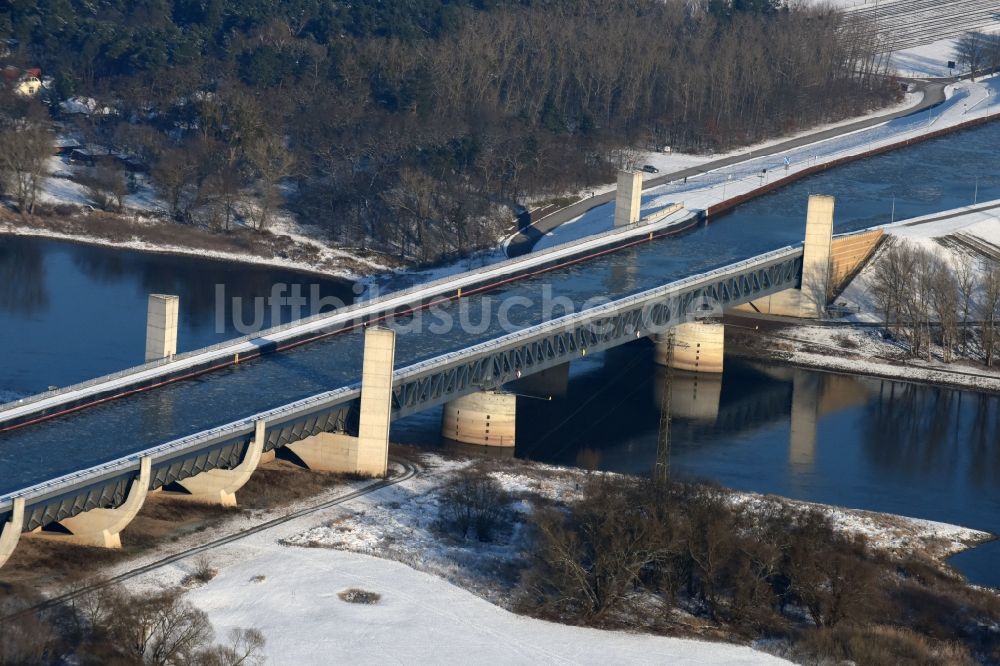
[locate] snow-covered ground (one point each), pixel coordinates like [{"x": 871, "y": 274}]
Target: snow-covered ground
[
  {"x": 291, "y": 592},
  {"x": 966, "y": 101},
  {"x": 435, "y": 592},
  {"x": 291, "y": 595},
  {"x": 931, "y": 60},
  {"x": 863, "y": 351}
]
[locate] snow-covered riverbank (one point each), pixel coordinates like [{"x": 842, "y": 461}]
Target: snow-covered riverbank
[{"x": 435, "y": 592}]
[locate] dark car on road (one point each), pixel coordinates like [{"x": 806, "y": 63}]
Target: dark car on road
[{"x": 649, "y": 168}]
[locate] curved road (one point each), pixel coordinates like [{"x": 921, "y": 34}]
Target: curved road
[{"x": 525, "y": 240}]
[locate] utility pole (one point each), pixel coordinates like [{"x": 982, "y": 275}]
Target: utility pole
[{"x": 661, "y": 472}]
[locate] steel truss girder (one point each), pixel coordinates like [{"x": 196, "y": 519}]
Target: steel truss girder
[{"x": 519, "y": 356}]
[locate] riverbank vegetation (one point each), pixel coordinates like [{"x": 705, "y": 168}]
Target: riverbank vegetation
[
  {"x": 689, "y": 559},
  {"x": 417, "y": 128},
  {"x": 940, "y": 308}
]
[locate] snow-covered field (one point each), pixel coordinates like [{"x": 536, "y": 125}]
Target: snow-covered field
[
  {"x": 291, "y": 595},
  {"x": 931, "y": 60},
  {"x": 436, "y": 593}
]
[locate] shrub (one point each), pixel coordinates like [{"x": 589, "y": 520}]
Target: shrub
[
  {"x": 474, "y": 504},
  {"x": 356, "y": 596},
  {"x": 878, "y": 645}
]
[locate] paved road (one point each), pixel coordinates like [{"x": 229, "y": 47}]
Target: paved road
[{"x": 525, "y": 240}]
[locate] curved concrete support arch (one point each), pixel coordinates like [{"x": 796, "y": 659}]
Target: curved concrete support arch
[
  {"x": 10, "y": 531},
  {"x": 102, "y": 527},
  {"x": 219, "y": 486}
]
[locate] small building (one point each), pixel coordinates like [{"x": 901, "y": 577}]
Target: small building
[
  {"x": 28, "y": 86},
  {"x": 26, "y": 83},
  {"x": 66, "y": 145}
]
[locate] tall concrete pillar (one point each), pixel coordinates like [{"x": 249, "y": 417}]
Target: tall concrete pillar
[
  {"x": 161, "y": 326},
  {"x": 816, "y": 256},
  {"x": 376, "y": 401},
  {"x": 219, "y": 486},
  {"x": 487, "y": 418},
  {"x": 10, "y": 530},
  {"x": 628, "y": 199},
  {"x": 368, "y": 453},
  {"x": 695, "y": 346},
  {"x": 102, "y": 527}
]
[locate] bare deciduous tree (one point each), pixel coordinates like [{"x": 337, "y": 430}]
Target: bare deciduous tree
[
  {"x": 271, "y": 162},
  {"x": 989, "y": 313},
  {"x": 106, "y": 185},
  {"x": 26, "y": 149}
]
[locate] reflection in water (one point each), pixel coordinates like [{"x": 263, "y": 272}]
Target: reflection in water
[
  {"x": 914, "y": 450},
  {"x": 22, "y": 284},
  {"x": 695, "y": 396},
  {"x": 930, "y": 430}
]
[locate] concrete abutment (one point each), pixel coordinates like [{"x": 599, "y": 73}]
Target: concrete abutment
[
  {"x": 10, "y": 530},
  {"x": 628, "y": 198},
  {"x": 368, "y": 452},
  {"x": 161, "y": 326}
]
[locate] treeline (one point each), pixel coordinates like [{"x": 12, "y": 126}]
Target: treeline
[
  {"x": 414, "y": 127},
  {"x": 687, "y": 559},
  {"x": 925, "y": 301}
]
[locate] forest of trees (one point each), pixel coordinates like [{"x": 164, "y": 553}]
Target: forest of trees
[{"x": 414, "y": 127}]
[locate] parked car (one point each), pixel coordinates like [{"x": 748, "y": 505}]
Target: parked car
[{"x": 649, "y": 168}]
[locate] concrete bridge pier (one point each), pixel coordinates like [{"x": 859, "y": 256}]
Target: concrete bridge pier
[
  {"x": 368, "y": 453},
  {"x": 161, "y": 326},
  {"x": 102, "y": 527},
  {"x": 487, "y": 418},
  {"x": 10, "y": 530},
  {"x": 697, "y": 346},
  {"x": 219, "y": 486}
]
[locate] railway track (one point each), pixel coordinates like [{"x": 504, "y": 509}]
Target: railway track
[{"x": 408, "y": 470}]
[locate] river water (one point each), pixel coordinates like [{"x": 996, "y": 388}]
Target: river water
[
  {"x": 910, "y": 449},
  {"x": 70, "y": 312}
]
